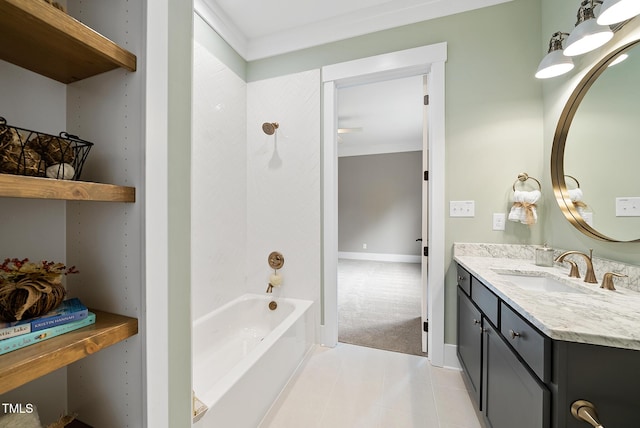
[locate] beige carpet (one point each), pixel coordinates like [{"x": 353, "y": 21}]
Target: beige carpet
[{"x": 379, "y": 305}]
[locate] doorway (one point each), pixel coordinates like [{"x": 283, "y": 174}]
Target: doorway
[
  {"x": 427, "y": 60},
  {"x": 380, "y": 170}
]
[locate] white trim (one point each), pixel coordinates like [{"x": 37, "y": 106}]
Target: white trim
[
  {"x": 329, "y": 312},
  {"x": 451, "y": 360},
  {"x": 359, "y": 22},
  {"x": 410, "y": 62},
  {"x": 218, "y": 20},
  {"x": 380, "y": 257},
  {"x": 385, "y": 66},
  {"x": 156, "y": 359},
  {"x": 345, "y": 150}
]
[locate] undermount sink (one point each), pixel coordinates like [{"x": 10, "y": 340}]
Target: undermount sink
[{"x": 539, "y": 283}]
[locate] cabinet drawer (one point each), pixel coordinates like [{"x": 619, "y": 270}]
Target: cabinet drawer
[
  {"x": 533, "y": 346},
  {"x": 485, "y": 299},
  {"x": 464, "y": 280}
]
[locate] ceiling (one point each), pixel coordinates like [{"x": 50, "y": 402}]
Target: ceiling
[
  {"x": 382, "y": 117},
  {"x": 262, "y": 28}
]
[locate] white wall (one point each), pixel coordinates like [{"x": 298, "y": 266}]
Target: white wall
[
  {"x": 34, "y": 228},
  {"x": 252, "y": 193},
  {"x": 283, "y": 183},
  {"x": 219, "y": 189}
]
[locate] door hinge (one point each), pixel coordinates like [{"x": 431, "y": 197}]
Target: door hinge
[
  {"x": 426, "y": 100},
  {"x": 425, "y": 326},
  {"x": 425, "y": 251},
  {"x": 426, "y": 176}
]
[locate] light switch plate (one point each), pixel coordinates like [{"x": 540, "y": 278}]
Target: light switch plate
[
  {"x": 628, "y": 207},
  {"x": 462, "y": 208},
  {"x": 499, "y": 220}
]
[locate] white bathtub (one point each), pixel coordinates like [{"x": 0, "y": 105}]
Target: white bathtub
[{"x": 244, "y": 354}]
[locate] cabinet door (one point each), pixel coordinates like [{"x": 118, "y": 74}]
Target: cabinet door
[
  {"x": 470, "y": 342},
  {"x": 513, "y": 397}
]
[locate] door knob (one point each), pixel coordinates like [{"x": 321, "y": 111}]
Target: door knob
[{"x": 585, "y": 411}]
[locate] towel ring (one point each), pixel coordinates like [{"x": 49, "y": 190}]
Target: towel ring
[
  {"x": 523, "y": 176},
  {"x": 574, "y": 179}
]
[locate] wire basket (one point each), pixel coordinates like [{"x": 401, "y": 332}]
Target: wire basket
[{"x": 26, "y": 152}]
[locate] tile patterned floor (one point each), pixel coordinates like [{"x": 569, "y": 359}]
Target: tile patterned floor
[{"x": 356, "y": 387}]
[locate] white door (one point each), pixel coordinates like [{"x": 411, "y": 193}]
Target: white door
[
  {"x": 425, "y": 213},
  {"x": 417, "y": 61}
]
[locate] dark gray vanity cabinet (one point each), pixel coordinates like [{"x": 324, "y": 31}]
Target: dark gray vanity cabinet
[
  {"x": 503, "y": 385},
  {"x": 520, "y": 378},
  {"x": 608, "y": 377},
  {"x": 470, "y": 343},
  {"x": 513, "y": 396}
]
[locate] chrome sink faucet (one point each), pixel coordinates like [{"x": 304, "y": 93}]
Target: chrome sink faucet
[{"x": 590, "y": 275}]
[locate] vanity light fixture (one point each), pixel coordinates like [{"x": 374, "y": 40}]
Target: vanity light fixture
[
  {"x": 555, "y": 62},
  {"x": 614, "y": 11},
  {"x": 587, "y": 34}
]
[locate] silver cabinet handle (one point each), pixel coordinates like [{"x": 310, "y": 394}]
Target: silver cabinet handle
[
  {"x": 584, "y": 410},
  {"x": 514, "y": 334}
]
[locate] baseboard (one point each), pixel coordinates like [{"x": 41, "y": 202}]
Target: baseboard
[
  {"x": 380, "y": 257},
  {"x": 451, "y": 357}
]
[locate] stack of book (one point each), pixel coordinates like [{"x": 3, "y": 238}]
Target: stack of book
[{"x": 70, "y": 315}]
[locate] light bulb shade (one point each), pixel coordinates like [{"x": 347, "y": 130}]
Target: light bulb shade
[
  {"x": 554, "y": 64},
  {"x": 618, "y": 60},
  {"x": 587, "y": 36},
  {"x": 614, "y": 11}
]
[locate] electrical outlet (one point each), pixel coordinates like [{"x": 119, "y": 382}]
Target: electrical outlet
[
  {"x": 364, "y": 246},
  {"x": 499, "y": 221},
  {"x": 628, "y": 207},
  {"x": 462, "y": 208}
]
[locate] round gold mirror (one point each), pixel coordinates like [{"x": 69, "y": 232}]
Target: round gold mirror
[{"x": 596, "y": 150}]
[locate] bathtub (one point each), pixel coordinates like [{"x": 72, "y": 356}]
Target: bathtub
[{"x": 244, "y": 354}]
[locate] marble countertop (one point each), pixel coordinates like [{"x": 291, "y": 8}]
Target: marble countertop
[{"x": 592, "y": 315}]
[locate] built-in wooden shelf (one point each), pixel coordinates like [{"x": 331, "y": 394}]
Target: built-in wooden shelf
[
  {"x": 18, "y": 186},
  {"x": 47, "y": 41},
  {"x": 26, "y": 364}
]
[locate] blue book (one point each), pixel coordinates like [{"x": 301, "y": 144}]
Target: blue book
[
  {"x": 70, "y": 310},
  {"x": 32, "y": 338}
]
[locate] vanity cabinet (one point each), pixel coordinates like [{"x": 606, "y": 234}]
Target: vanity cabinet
[
  {"x": 528, "y": 380},
  {"x": 513, "y": 397},
  {"x": 505, "y": 388},
  {"x": 470, "y": 343}
]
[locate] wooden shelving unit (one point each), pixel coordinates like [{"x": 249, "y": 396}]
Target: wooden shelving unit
[
  {"x": 29, "y": 363},
  {"x": 38, "y": 37},
  {"x": 45, "y": 40},
  {"x": 17, "y": 186}
]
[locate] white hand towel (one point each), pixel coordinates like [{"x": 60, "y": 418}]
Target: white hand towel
[
  {"x": 524, "y": 206},
  {"x": 576, "y": 197}
]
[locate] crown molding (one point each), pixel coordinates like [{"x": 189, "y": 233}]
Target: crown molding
[{"x": 364, "y": 21}]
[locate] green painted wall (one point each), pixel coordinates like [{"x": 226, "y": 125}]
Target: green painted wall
[{"x": 559, "y": 233}]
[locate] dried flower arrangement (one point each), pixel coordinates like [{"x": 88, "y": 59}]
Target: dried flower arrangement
[
  {"x": 56, "y": 5},
  {"x": 29, "y": 289}
]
